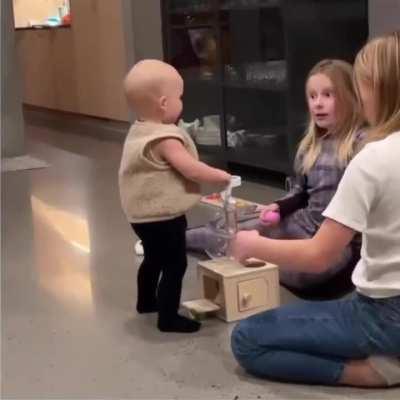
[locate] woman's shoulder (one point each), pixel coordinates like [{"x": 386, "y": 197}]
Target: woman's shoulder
[
  {"x": 389, "y": 144},
  {"x": 370, "y": 157}
]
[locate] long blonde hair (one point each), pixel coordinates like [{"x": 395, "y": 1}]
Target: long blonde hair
[
  {"x": 348, "y": 115},
  {"x": 377, "y": 65}
]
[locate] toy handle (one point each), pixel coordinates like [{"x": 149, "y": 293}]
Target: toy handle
[{"x": 236, "y": 181}]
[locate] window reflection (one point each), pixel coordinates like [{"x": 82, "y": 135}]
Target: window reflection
[{"x": 41, "y": 13}]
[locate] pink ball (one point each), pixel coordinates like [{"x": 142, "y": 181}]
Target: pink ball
[{"x": 270, "y": 217}]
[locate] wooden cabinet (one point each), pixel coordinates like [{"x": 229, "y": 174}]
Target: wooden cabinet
[{"x": 245, "y": 62}]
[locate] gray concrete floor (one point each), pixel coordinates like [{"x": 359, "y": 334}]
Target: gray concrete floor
[{"x": 68, "y": 288}]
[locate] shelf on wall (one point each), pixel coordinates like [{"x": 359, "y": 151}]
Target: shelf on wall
[
  {"x": 248, "y": 8},
  {"x": 193, "y": 26},
  {"x": 250, "y": 5},
  {"x": 212, "y": 149},
  {"x": 254, "y": 85},
  {"x": 257, "y": 158},
  {"x": 197, "y": 75},
  {"x": 192, "y": 11}
]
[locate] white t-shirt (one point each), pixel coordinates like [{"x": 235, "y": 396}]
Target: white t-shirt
[{"x": 368, "y": 201}]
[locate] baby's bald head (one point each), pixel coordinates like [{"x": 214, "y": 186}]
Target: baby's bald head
[{"x": 146, "y": 83}]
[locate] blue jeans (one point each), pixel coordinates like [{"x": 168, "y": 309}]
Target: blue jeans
[{"x": 310, "y": 342}]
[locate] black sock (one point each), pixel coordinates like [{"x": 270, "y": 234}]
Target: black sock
[{"x": 178, "y": 323}]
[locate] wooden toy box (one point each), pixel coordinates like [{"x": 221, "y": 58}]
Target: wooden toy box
[{"x": 233, "y": 291}]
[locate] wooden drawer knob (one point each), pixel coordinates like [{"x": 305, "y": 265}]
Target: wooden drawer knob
[{"x": 246, "y": 298}]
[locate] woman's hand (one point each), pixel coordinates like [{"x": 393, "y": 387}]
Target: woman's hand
[{"x": 240, "y": 248}]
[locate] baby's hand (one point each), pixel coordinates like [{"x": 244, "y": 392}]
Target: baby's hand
[
  {"x": 225, "y": 178},
  {"x": 224, "y": 181},
  {"x": 241, "y": 245}
]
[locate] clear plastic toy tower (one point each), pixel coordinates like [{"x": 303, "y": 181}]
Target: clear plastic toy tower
[{"x": 225, "y": 226}]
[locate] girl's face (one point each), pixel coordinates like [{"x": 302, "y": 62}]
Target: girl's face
[
  {"x": 367, "y": 101},
  {"x": 321, "y": 101}
]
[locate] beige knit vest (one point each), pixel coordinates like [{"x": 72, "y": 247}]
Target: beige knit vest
[{"x": 150, "y": 189}]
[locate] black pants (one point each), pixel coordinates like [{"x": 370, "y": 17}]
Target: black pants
[{"x": 164, "y": 247}]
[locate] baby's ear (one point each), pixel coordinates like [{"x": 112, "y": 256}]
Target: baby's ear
[{"x": 162, "y": 102}]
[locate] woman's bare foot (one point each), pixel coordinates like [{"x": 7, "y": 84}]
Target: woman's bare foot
[{"x": 360, "y": 373}]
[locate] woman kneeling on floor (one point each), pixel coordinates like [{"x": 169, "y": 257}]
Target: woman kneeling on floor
[{"x": 352, "y": 341}]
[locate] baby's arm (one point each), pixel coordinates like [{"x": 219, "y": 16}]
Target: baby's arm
[{"x": 173, "y": 151}]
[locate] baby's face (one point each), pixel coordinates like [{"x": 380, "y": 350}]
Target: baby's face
[{"x": 173, "y": 106}]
